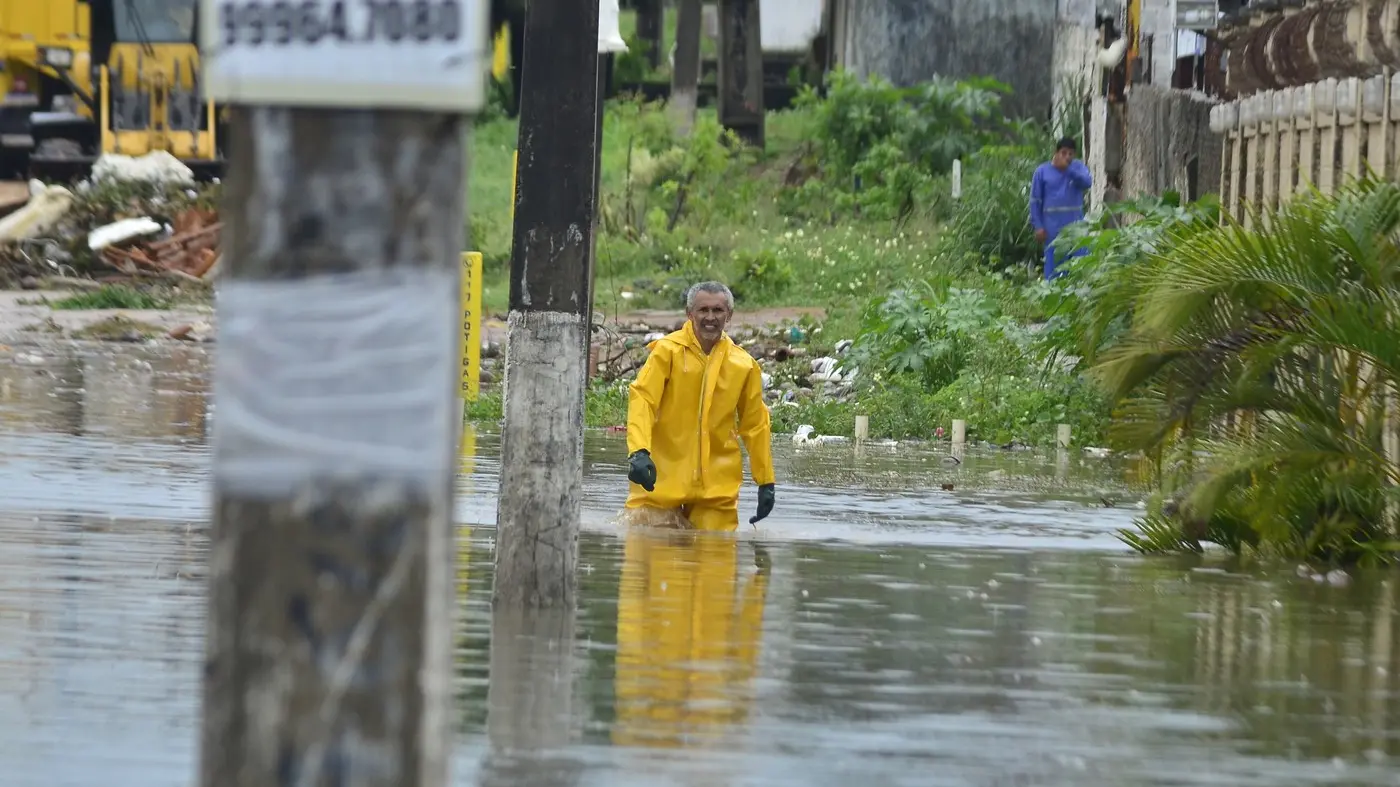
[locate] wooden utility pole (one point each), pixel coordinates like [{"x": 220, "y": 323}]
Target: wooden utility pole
[
  {"x": 741, "y": 70},
  {"x": 550, "y": 281},
  {"x": 685, "y": 72},
  {"x": 328, "y": 645}
]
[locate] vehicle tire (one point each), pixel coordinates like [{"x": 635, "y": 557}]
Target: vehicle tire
[{"x": 14, "y": 163}]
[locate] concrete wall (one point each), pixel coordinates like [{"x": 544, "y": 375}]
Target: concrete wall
[
  {"x": 1074, "y": 68},
  {"x": 909, "y": 41},
  {"x": 1168, "y": 137}
]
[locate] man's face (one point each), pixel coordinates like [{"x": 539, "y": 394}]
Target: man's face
[
  {"x": 709, "y": 315},
  {"x": 1063, "y": 157}
]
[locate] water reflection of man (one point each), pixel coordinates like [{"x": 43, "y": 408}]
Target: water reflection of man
[
  {"x": 698, "y": 394},
  {"x": 687, "y": 639}
]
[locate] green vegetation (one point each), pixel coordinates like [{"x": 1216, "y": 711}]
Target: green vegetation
[
  {"x": 1255, "y": 367},
  {"x": 115, "y": 296},
  {"x": 849, "y": 209}
]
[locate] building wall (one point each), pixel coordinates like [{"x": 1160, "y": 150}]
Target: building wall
[
  {"x": 1170, "y": 141},
  {"x": 1074, "y": 68},
  {"x": 909, "y": 41}
]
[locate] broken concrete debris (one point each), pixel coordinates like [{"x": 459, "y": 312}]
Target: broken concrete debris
[
  {"x": 190, "y": 250},
  {"x": 134, "y": 218}
]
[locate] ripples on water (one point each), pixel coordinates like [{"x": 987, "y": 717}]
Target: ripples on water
[{"x": 878, "y": 630}]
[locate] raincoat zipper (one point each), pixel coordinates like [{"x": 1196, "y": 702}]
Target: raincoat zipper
[{"x": 700, "y": 418}]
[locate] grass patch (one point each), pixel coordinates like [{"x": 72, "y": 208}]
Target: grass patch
[
  {"x": 604, "y": 405},
  {"x": 115, "y": 296},
  {"x": 733, "y": 224}
]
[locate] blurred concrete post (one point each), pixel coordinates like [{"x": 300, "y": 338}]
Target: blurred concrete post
[
  {"x": 741, "y": 70},
  {"x": 330, "y": 610},
  {"x": 685, "y": 71},
  {"x": 329, "y": 636},
  {"x": 541, "y": 482}
]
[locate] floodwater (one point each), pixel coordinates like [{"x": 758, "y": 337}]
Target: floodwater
[{"x": 877, "y": 630}]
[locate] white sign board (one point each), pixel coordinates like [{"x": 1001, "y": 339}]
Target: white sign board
[{"x": 376, "y": 54}]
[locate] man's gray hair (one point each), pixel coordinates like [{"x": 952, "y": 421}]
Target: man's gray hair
[{"x": 712, "y": 287}]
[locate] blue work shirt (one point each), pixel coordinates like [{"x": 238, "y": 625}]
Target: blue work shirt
[{"x": 1057, "y": 200}]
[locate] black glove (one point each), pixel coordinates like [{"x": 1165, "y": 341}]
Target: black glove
[
  {"x": 766, "y": 498},
  {"x": 641, "y": 470}
]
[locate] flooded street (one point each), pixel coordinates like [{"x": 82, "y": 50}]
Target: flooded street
[{"x": 878, "y": 629}]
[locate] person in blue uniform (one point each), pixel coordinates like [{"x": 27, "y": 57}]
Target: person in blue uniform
[{"x": 1057, "y": 200}]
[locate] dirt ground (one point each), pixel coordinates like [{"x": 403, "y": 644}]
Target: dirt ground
[
  {"x": 13, "y": 195},
  {"x": 495, "y": 328},
  {"x": 24, "y": 320}
]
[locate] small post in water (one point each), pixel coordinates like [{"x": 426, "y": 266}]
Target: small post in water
[
  {"x": 1062, "y": 435},
  {"x": 541, "y": 480},
  {"x": 862, "y": 427},
  {"x": 959, "y": 432}
]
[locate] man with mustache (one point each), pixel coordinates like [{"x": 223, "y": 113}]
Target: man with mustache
[{"x": 697, "y": 395}]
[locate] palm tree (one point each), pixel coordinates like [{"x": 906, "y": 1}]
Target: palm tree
[{"x": 1259, "y": 368}]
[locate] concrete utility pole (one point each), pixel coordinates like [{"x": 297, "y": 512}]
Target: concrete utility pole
[
  {"x": 550, "y": 281},
  {"x": 685, "y": 72},
  {"x": 650, "y": 21},
  {"x": 329, "y": 651},
  {"x": 741, "y": 70}
]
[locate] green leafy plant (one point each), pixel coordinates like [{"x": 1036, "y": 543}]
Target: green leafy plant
[
  {"x": 990, "y": 225},
  {"x": 883, "y": 149},
  {"x": 1255, "y": 368}
]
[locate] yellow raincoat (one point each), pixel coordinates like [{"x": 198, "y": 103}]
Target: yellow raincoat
[
  {"x": 688, "y": 634},
  {"x": 690, "y": 411}
]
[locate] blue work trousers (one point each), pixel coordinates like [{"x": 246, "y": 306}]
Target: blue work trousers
[{"x": 1054, "y": 260}]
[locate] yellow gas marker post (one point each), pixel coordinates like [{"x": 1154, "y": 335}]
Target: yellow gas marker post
[
  {"x": 471, "y": 326},
  {"x": 470, "y": 336}
]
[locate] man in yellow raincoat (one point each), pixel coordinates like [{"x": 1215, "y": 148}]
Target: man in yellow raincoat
[{"x": 697, "y": 395}]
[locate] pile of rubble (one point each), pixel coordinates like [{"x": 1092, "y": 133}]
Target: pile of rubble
[
  {"x": 98, "y": 230},
  {"x": 791, "y": 373},
  {"x": 188, "y": 247}
]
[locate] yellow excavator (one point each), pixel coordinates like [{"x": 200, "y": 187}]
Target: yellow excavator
[
  {"x": 104, "y": 76},
  {"x": 36, "y": 39}
]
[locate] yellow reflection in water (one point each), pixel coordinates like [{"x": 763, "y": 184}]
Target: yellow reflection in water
[{"x": 688, "y": 630}]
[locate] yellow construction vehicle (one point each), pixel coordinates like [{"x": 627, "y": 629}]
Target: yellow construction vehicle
[
  {"x": 132, "y": 81},
  {"x": 43, "y": 44}
]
